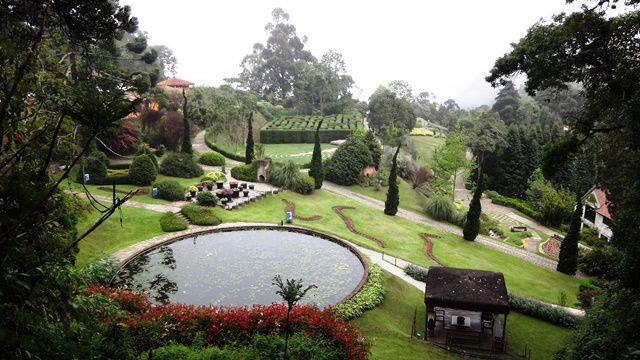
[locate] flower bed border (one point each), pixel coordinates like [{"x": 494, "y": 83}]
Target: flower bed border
[
  {"x": 126, "y": 255},
  {"x": 428, "y": 247},
  {"x": 291, "y": 207},
  {"x": 349, "y": 223}
]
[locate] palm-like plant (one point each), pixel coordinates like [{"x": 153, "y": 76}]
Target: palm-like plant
[{"x": 291, "y": 291}]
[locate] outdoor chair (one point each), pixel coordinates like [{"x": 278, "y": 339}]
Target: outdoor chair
[{"x": 487, "y": 322}]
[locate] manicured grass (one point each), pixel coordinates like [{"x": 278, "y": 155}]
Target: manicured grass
[
  {"x": 426, "y": 145},
  {"x": 170, "y": 222},
  {"x": 143, "y": 198},
  {"x": 388, "y": 328},
  {"x": 409, "y": 198},
  {"x": 288, "y": 152},
  {"x": 200, "y": 215},
  {"x": 137, "y": 225}
]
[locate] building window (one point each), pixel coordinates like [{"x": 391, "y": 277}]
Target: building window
[{"x": 590, "y": 213}]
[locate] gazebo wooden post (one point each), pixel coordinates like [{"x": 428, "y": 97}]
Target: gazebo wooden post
[
  {"x": 504, "y": 333},
  {"x": 426, "y": 319}
]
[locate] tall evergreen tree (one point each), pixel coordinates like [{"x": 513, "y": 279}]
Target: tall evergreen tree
[
  {"x": 374, "y": 148},
  {"x": 248, "y": 154},
  {"x": 568, "y": 259},
  {"x": 507, "y": 103},
  {"x": 472, "y": 224},
  {"x": 316, "y": 160},
  {"x": 186, "y": 134},
  {"x": 393, "y": 196}
]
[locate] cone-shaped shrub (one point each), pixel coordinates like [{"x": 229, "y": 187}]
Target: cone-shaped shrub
[
  {"x": 568, "y": 258},
  {"x": 393, "y": 196},
  {"x": 316, "y": 160},
  {"x": 472, "y": 224}
]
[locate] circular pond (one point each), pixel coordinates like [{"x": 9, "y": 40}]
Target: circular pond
[{"x": 237, "y": 268}]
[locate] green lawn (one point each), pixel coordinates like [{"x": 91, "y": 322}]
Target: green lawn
[
  {"x": 288, "y": 152},
  {"x": 409, "y": 198},
  {"x": 111, "y": 236},
  {"x": 143, "y": 198},
  {"x": 402, "y": 240},
  {"x": 388, "y": 328},
  {"x": 426, "y": 146}
]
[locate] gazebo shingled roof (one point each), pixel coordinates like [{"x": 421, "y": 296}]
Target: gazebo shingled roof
[
  {"x": 175, "y": 82},
  {"x": 474, "y": 290}
]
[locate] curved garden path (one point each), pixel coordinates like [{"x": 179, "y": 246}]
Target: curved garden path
[{"x": 409, "y": 215}]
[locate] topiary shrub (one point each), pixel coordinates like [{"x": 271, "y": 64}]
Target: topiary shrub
[
  {"x": 214, "y": 176},
  {"x": 142, "y": 170},
  {"x": 200, "y": 215},
  {"x": 247, "y": 172},
  {"x": 348, "y": 160},
  {"x": 206, "y": 199},
  {"x": 212, "y": 158},
  {"x": 170, "y": 222},
  {"x": 169, "y": 190},
  {"x": 95, "y": 165},
  {"x": 180, "y": 165}
]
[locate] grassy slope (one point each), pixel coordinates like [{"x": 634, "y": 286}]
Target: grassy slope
[
  {"x": 401, "y": 238},
  {"x": 388, "y": 328},
  {"x": 409, "y": 198},
  {"x": 137, "y": 225},
  {"x": 426, "y": 145}
]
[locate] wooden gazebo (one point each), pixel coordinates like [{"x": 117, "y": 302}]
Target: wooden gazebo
[{"x": 466, "y": 306}]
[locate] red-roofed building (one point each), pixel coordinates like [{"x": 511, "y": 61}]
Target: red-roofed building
[
  {"x": 176, "y": 85},
  {"x": 596, "y": 212}
]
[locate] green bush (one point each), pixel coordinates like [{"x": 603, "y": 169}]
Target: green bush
[
  {"x": 170, "y": 190},
  {"x": 247, "y": 172},
  {"x": 288, "y": 176},
  {"x": 180, "y": 165},
  {"x": 304, "y": 185},
  {"x": 543, "y": 311},
  {"x": 206, "y": 199},
  {"x": 118, "y": 177},
  {"x": 142, "y": 171},
  {"x": 94, "y": 165},
  {"x": 171, "y": 222},
  {"x": 214, "y": 176},
  {"x": 346, "y": 163},
  {"x": 417, "y": 272},
  {"x": 601, "y": 261},
  {"x": 212, "y": 158},
  {"x": 200, "y": 215},
  {"x": 517, "y": 204},
  {"x": 591, "y": 237},
  {"x": 212, "y": 146},
  {"x": 442, "y": 208},
  {"x": 370, "y": 296}
]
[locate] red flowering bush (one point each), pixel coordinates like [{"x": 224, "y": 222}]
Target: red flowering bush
[
  {"x": 125, "y": 141},
  {"x": 152, "y": 326}
]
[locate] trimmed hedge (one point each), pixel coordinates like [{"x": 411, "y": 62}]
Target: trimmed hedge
[
  {"x": 180, "y": 165},
  {"x": 170, "y": 222},
  {"x": 214, "y": 176},
  {"x": 170, "y": 190},
  {"x": 200, "y": 215},
  {"x": 247, "y": 172},
  {"x": 227, "y": 154},
  {"x": 301, "y": 129},
  {"x": 370, "y": 296},
  {"x": 143, "y": 170},
  {"x": 212, "y": 158},
  {"x": 517, "y": 204},
  {"x": 417, "y": 272},
  {"x": 206, "y": 199},
  {"x": 543, "y": 311}
]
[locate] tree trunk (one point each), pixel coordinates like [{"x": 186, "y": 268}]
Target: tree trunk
[{"x": 286, "y": 335}]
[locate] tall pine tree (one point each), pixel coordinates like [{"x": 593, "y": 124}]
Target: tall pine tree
[
  {"x": 472, "y": 224},
  {"x": 507, "y": 103},
  {"x": 568, "y": 259},
  {"x": 186, "y": 134},
  {"x": 248, "y": 153},
  {"x": 393, "y": 196},
  {"x": 316, "y": 160}
]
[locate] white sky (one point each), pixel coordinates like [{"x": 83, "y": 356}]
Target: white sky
[{"x": 444, "y": 47}]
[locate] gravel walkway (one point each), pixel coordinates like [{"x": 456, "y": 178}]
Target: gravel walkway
[{"x": 377, "y": 204}]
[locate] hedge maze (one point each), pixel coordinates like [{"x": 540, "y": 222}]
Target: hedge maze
[{"x": 301, "y": 129}]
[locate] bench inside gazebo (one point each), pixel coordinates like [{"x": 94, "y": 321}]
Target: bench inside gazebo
[{"x": 466, "y": 305}]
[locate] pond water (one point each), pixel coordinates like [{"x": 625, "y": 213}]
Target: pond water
[{"x": 237, "y": 268}]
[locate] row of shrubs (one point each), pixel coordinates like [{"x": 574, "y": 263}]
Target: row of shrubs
[
  {"x": 370, "y": 296},
  {"x": 517, "y": 204},
  {"x": 417, "y": 272},
  {"x": 247, "y": 172},
  {"x": 301, "y": 136},
  {"x": 225, "y": 153},
  {"x": 200, "y": 215},
  {"x": 170, "y": 222},
  {"x": 212, "y": 158}
]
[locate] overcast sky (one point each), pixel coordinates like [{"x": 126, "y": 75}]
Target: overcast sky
[{"x": 444, "y": 47}]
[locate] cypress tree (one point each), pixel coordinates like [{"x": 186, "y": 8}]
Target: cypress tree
[
  {"x": 316, "y": 160},
  {"x": 568, "y": 259},
  {"x": 186, "y": 134},
  {"x": 248, "y": 154},
  {"x": 393, "y": 196},
  {"x": 472, "y": 224}
]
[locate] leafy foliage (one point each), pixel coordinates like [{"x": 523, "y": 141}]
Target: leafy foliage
[
  {"x": 142, "y": 171},
  {"x": 288, "y": 176},
  {"x": 393, "y": 194},
  {"x": 385, "y": 108},
  {"x": 212, "y": 158},
  {"x": 249, "y": 155},
  {"x": 200, "y": 215},
  {"x": 205, "y": 198},
  {"x": 170, "y": 190},
  {"x": 543, "y": 311},
  {"x": 170, "y": 222},
  {"x": 370, "y": 296},
  {"x": 214, "y": 176},
  {"x": 348, "y": 160},
  {"x": 568, "y": 260},
  {"x": 126, "y": 140},
  {"x": 472, "y": 222},
  {"x": 247, "y": 172},
  {"x": 180, "y": 165},
  {"x": 442, "y": 208}
]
